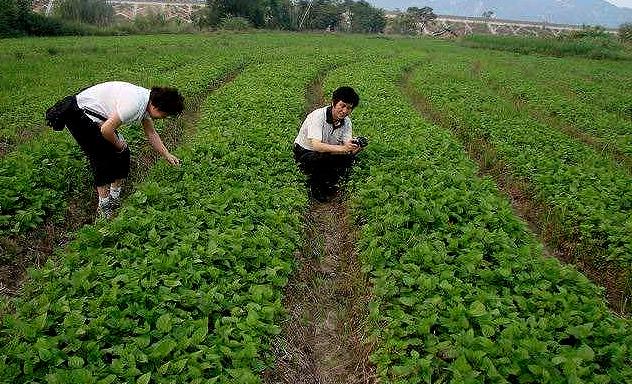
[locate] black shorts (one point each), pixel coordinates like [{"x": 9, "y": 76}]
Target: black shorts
[{"x": 107, "y": 163}]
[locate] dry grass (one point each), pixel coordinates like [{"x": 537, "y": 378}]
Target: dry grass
[{"x": 323, "y": 338}]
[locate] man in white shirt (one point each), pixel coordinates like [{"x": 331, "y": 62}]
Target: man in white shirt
[
  {"x": 101, "y": 110},
  {"x": 324, "y": 147}
]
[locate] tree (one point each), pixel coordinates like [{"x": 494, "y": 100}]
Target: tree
[
  {"x": 421, "y": 17},
  {"x": 412, "y": 22},
  {"x": 13, "y": 17},
  {"x": 17, "y": 19},
  {"x": 360, "y": 16},
  {"x": 253, "y": 10},
  {"x": 279, "y": 14},
  {"x": 86, "y": 11},
  {"x": 625, "y": 32},
  {"x": 365, "y": 18},
  {"x": 208, "y": 16},
  {"x": 323, "y": 14},
  {"x": 260, "y": 13}
]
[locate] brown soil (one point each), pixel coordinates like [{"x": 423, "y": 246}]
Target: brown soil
[
  {"x": 33, "y": 248},
  {"x": 557, "y": 243},
  {"x": 323, "y": 338}
]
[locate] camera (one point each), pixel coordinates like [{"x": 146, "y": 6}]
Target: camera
[{"x": 360, "y": 141}]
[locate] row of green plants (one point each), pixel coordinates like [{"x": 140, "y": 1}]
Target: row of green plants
[
  {"x": 586, "y": 195},
  {"x": 583, "y": 94},
  {"x": 593, "y": 44},
  {"x": 185, "y": 284},
  {"x": 461, "y": 289},
  {"x": 39, "y": 175}
]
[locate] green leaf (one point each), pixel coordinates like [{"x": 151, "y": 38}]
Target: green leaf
[
  {"x": 172, "y": 283},
  {"x": 408, "y": 300},
  {"x": 75, "y": 362},
  {"x": 164, "y": 368},
  {"x": 179, "y": 365},
  {"x": 109, "y": 379},
  {"x": 199, "y": 335},
  {"x": 586, "y": 353},
  {"x": 477, "y": 309},
  {"x": 144, "y": 379},
  {"x": 162, "y": 348},
  {"x": 164, "y": 323}
]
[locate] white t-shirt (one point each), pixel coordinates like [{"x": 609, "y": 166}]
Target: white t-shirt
[
  {"x": 127, "y": 100},
  {"x": 316, "y": 126}
]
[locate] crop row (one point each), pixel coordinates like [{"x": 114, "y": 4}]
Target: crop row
[
  {"x": 592, "y": 97},
  {"x": 185, "y": 284},
  {"x": 461, "y": 291},
  {"x": 39, "y": 176},
  {"x": 38, "y": 72},
  {"x": 588, "y": 195}
]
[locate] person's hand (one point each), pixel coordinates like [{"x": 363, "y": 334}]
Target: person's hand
[
  {"x": 172, "y": 159},
  {"x": 351, "y": 147},
  {"x": 120, "y": 143}
]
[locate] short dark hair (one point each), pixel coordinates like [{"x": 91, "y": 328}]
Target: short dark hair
[
  {"x": 347, "y": 95},
  {"x": 167, "y": 100}
]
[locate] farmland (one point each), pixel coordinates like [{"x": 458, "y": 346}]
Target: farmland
[{"x": 187, "y": 283}]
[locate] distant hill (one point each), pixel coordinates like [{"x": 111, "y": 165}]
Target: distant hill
[{"x": 579, "y": 12}]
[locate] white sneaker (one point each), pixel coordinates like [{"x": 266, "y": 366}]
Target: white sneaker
[
  {"x": 105, "y": 211},
  {"x": 115, "y": 202}
]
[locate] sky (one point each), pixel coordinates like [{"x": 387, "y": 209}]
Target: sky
[
  {"x": 621, "y": 3},
  {"x": 618, "y": 3}
]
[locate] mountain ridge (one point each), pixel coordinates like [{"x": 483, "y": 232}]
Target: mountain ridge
[{"x": 574, "y": 12}]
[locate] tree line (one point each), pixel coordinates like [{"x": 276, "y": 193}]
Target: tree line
[
  {"x": 345, "y": 15},
  {"x": 17, "y": 18},
  {"x": 76, "y": 17},
  {"x": 68, "y": 17}
]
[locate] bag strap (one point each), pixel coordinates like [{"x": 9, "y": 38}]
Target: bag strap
[{"x": 94, "y": 114}]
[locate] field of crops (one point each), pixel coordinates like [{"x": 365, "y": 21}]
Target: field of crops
[{"x": 186, "y": 284}]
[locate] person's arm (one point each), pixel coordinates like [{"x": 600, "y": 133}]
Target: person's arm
[
  {"x": 347, "y": 147},
  {"x": 314, "y": 125},
  {"x": 108, "y": 130},
  {"x": 156, "y": 142}
]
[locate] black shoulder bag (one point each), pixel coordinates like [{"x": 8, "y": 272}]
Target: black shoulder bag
[{"x": 58, "y": 114}]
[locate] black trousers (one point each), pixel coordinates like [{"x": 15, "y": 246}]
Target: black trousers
[
  {"x": 106, "y": 162},
  {"x": 323, "y": 169}
]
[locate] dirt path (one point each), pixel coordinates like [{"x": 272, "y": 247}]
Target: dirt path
[
  {"x": 521, "y": 196},
  {"x": 323, "y": 338},
  {"x": 33, "y": 248}
]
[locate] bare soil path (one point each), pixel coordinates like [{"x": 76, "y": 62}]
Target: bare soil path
[{"x": 323, "y": 337}]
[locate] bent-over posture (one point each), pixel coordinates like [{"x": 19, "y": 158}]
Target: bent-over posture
[{"x": 99, "y": 112}]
